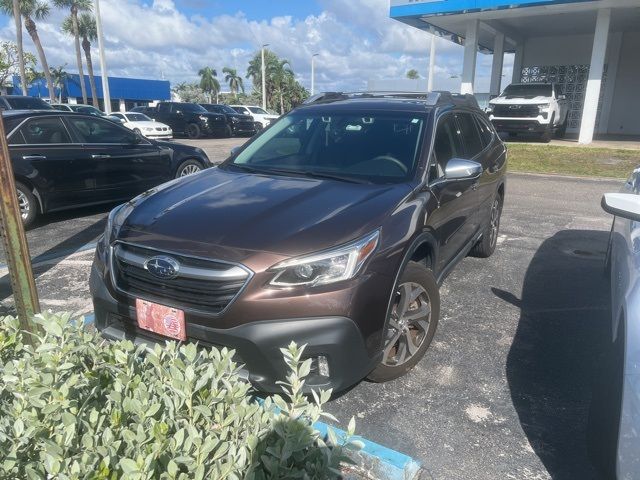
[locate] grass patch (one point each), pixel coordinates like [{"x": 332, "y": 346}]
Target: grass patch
[{"x": 581, "y": 161}]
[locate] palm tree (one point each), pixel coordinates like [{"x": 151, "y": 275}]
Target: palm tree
[
  {"x": 59, "y": 76},
  {"x": 75, "y": 6},
  {"x": 279, "y": 73},
  {"x": 234, "y": 80},
  {"x": 18, "y": 20},
  {"x": 88, "y": 31},
  {"x": 208, "y": 81},
  {"x": 413, "y": 74},
  {"x": 30, "y": 10}
]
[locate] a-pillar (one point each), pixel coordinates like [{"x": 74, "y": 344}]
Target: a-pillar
[
  {"x": 470, "y": 53},
  {"x": 496, "y": 67},
  {"x": 592, "y": 94}
]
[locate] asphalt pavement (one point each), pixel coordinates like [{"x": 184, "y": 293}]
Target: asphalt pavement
[{"x": 504, "y": 391}]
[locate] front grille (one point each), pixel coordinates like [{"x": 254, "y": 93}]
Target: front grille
[
  {"x": 162, "y": 129},
  {"x": 203, "y": 285},
  {"x": 246, "y": 125},
  {"x": 523, "y": 111}
]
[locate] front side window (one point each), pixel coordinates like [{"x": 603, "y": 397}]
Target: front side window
[
  {"x": 188, "y": 107},
  {"x": 486, "y": 131},
  {"x": 42, "y": 131},
  {"x": 28, "y": 103},
  {"x": 258, "y": 111},
  {"x": 164, "y": 108},
  {"x": 469, "y": 135},
  {"x": 446, "y": 146},
  {"x": 354, "y": 146},
  {"x": 96, "y": 130}
]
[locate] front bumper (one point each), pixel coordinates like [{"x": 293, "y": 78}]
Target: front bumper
[
  {"x": 244, "y": 128},
  {"x": 257, "y": 344}
]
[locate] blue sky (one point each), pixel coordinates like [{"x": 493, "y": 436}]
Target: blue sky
[{"x": 173, "y": 39}]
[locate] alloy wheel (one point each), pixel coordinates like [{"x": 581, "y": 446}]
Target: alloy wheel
[
  {"x": 495, "y": 222},
  {"x": 408, "y": 325},
  {"x": 25, "y": 206},
  {"x": 189, "y": 170}
]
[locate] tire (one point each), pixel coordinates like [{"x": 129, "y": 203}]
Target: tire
[
  {"x": 193, "y": 131},
  {"x": 137, "y": 131},
  {"x": 188, "y": 167},
  {"x": 485, "y": 247},
  {"x": 562, "y": 129},
  {"x": 228, "y": 131},
  {"x": 548, "y": 132},
  {"x": 415, "y": 278},
  {"x": 28, "y": 205}
]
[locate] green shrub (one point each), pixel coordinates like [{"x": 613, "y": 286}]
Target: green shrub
[{"x": 73, "y": 406}]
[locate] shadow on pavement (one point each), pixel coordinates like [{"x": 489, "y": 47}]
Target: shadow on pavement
[{"x": 563, "y": 329}]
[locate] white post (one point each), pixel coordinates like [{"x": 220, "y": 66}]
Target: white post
[
  {"x": 103, "y": 61},
  {"x": 516, "y": 76},
  {"x": 122, "y": 105},
  {"x": 432, "y": 63},
  {"x": 592, "y": 94},
  {"x": 470, "y": 52},
  {"x": 264, "y": 81},
  {"x": 313, "y": 73},
  {"x": 496, "y": 67}
]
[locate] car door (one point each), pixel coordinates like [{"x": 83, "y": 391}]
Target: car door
[
  {"x": 177, "y": 116},
  {"x": 493, "y": 158},
  {"x": 456, "y": 204},
  {"x": 121, "y": 163},
  {"x": 44, "y": 152}
]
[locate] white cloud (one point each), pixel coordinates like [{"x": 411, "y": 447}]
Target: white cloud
[{"x": 356, "y": 40}]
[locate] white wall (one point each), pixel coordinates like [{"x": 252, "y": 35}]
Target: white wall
[
  {"x": 568, "y": 50},
  {"x": 624, "y": 118}
]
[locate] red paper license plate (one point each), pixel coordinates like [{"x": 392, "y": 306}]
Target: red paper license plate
[{"x": 160, "y": 319}]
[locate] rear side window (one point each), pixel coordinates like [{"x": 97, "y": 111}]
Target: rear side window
[
  {"x": 446, "y": 146},
  {"x": 96, "y": 130},
  {"x": 42, "y": 131},
  {"x": 469, "y": 135},
  {"x": 164, "y": 108},
  {"x": 485, "y": 130}
]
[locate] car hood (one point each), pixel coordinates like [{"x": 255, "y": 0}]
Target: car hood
[
  {"x": 254, "y": 212},
  {"x": 241, "y": 116},
  {"x": 520, "y": 100},
  {"x": 147, "y": 124}
]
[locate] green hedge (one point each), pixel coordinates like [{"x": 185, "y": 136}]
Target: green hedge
[{"x": 73, "y": 406}]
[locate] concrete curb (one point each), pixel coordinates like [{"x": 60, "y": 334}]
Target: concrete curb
[
  {"x": 374, "y": 461},
  {"x": 567, "y": 177}
]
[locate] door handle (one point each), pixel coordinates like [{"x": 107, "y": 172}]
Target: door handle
[
  {"x": 99, "y": 156},
  {"x": 34, "y": 157}
]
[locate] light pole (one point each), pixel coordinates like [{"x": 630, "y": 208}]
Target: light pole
[
  {"x": 103, "y": 61},
  {"x": 264, "y": 80},
  {"x": 313, "y": 73},
  {"x": 432, "y": 63}
]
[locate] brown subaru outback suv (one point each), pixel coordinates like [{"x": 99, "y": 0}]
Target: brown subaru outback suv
[{"x": 333, "y": 228}]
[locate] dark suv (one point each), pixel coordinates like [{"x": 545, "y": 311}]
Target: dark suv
[
  {"x": 237, "y": 123},
  {"x": 333, "y": 228},
  {"x": 185, "y": 118}
]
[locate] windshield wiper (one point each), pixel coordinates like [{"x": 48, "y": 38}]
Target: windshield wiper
[
  {"x": 298, "y": 173},
  {"x": 332, "y": 176}
]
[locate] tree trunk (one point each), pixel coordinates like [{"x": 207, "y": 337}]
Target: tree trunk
[
  {"x": 74, "y": 21},
  {"x": 281, "y": 102},
  {"x": 86, "y": 45},
  {"x": 33, "y": 33},
  {"x": 18, "y": 19}
]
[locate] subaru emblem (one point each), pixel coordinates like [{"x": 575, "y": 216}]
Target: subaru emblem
[{"x": 162, "y": 267}]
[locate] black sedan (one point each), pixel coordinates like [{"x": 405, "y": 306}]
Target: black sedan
[
  {"x": 65, "y": 160},
  {"x": 237, "y": 124}
]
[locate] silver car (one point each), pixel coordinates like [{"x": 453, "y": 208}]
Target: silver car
[{"x": 623, "y": 261}]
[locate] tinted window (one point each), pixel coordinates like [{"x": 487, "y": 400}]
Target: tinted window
[
  {"x": 47, "y": 130},
  {"x": 164, "y": 107},
  {"x": 524, "y": 90},
  {"x": 485, "y": 130},
  {"x": 188, "y": 107},
  {"x": 89, "y": 110},
  {"x": 445, "y": 146},
  {"x": 469, "y": 135},
  {"x": 138, "y": 117},
  {"x": 362, "y": 146},
  {"x": 95, "y": 130},
  {"x": 258, "y": 110},
  {"x": 240, "y": 109},
  {"x": 28, "y": 103}
]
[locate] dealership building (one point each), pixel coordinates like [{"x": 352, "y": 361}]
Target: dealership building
[{"x": 590, "y": 47}]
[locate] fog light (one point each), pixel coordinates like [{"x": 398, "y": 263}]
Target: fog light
[{"x": 323, "y": 366}]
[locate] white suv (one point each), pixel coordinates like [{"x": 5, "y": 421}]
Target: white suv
[
  {"x": 530, "y": 108},
  {"x": 262, "y": 118}
]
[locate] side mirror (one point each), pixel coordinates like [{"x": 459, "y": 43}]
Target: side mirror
[
  {"x": 234, "y": 151},
  {"x": 624, "y": 205},
  {"x": 461, "y": 169}
]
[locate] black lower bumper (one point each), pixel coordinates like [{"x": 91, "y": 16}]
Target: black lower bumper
[
  {"x": 257, "y": 344},
  {"x": 522, "y": 126}
]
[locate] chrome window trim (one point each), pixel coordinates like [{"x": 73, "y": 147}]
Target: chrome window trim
[{"x": 20, "y": 125}]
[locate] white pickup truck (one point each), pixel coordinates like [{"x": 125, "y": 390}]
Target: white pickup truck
[{"x": 530, "y": 108}]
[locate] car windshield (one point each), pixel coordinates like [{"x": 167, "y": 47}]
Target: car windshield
[
  {"x": 353, "y": 146},
  {"x": 533, "y": 90},
  {"x": 225, "y": 109},
  {"x": 190, "y": 107},
  {"x": 28, "y": 103},
  {"x": 138, "y": 117},
  {"x": 258, "y": 110},
  {"x": 90, "y": 110}
]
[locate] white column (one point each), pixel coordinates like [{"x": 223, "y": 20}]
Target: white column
[
  {"x": 592, "y": 94},
  {"x": 496, "y": 67},
  {"x": 122, "y": 105},
  {"x": 516, "y": 76},
  {"x": 432, "y": 63},
  {"x": 103, "y": 60},
  {"x": 470, "y": 53}
]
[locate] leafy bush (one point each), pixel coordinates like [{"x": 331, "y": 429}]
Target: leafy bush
[{"x": 73, "y": 406}]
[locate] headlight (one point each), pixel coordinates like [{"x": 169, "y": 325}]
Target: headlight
[
  {"x": 148, "y": 129},
  {"x": 204, "y": 118},
  {"x": 544, "y": 107},
  {"x": 235, "y": 119},
  {"x": 489, "y": 109},
  {"x": 330, "y": 266}
]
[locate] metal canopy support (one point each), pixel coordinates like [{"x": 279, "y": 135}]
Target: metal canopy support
[
  {"x": 470, "y": 53},
  {"x": 15, "y": 242}
]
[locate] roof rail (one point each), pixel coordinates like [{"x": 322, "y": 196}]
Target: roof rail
[{"x": 432, "y": 98}]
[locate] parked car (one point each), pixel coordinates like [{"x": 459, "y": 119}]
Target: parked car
[
  {"x": 62, "y": 107},
  {"x": 539, "y": 108},
  {"x": 617, "y": 401},
  {"x": 64, "y": 160},
  {"x": 237, "y": 124},
  {"x": 262, "y": 118},
  {"x": 188, "y": 119},
  {"x": 143, "y": 125},
  {"x": 86, "y": 109},
  {"x": 333, "y": 228},
  {"x": 21, "y": 102}
]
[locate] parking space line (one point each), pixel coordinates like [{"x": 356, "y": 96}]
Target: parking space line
[{"x": 43, "y": 259}]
